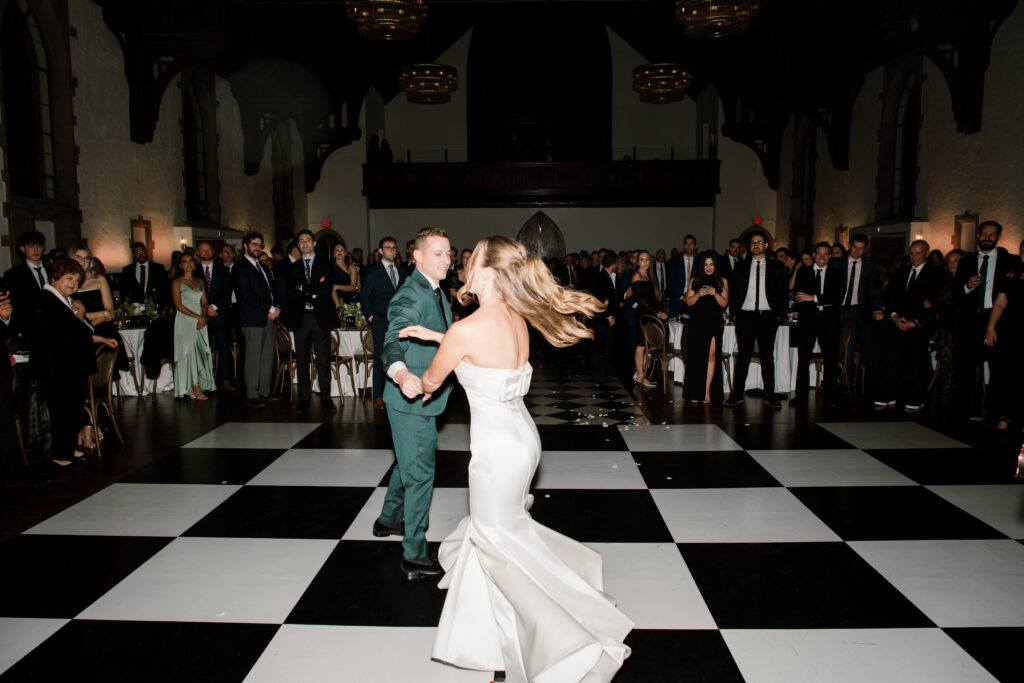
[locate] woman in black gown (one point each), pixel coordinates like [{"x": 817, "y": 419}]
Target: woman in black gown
[
  {"x": 96, "y": 296},
  {"x": 647, "y": 295},
  {"x": 707, "y": 295},
  {"x": 346, "y": 276},
  {"x": 1006, "y": 334}
]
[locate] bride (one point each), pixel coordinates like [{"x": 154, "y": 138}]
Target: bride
[{"x": 521, "y": 597}]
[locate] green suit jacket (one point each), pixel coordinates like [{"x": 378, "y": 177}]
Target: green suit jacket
[{"x": 414, "y": 304}]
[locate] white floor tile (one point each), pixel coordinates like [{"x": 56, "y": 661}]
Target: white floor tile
[
  {"x": 305, "y": 654},
  {"x": 447, "y": 508},
  {"x": 18, "y": 637},
  {"x": 453, "y": 437},
  {"x": 854, "y": 655},
  {"x": 546, "y": 420},
  {"x": 696, "y": 437},
  {"x": 739, "y": 515},
  {"x": 828, "y": 468},
  {"x": 588, "y": 470},
  {"x": 239, "y": 580},
  {"x": 999, "y": 506},
  {"x": 865, "y": 435},
  {"x": 652, "y": 585},
  {"x": 138, "y": 510},
  {"x": 955, "y": 583},
  {"x": 326, "y": 467},
  {"x": 254, "y": 435}
]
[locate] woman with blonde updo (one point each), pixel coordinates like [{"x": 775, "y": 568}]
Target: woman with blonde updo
[{"x": 521, "y": 598}]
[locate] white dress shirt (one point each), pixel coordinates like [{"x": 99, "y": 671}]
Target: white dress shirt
[
  {"x": 748, "y": 302},
  {"x": 39, "y": 269}
]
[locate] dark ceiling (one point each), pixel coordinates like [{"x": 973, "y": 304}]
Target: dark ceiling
[{"x": 302, "y": 59}]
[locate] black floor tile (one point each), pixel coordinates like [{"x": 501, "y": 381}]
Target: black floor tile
[
  {"x": 140, "y": 650},
  {"x": 891, "y": 513},
  {"x": 952, "y": 465},
  {"x": 580, "y": 438},
  {"x": 284, "y": 512},
  {"x": 782, "y": 437},
  {"x": 59, "y": 576},
  {"x": 996, "y": 649},
  {"x": 205, "y": 466},
  {"x": 360, "y": 584},
  {"x": 349, "y": 435},
  {"x": 701, "y": 469},
  {"x": 795, "y": 585},
  {"x": 601, "y": 515},
  {"x": 678, "y": 656},
  {"x": 451, "y": 470}
]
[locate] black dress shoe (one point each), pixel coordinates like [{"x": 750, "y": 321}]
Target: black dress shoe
[
  {"x": 329, "y": 406},
  {"x": 772, "y": 402},
  {"x": 255, "y": 403},
  {"x": 270, "y": 399},
  {"x": 415, "y": 570},
  {"x": 301, "y": 406},
  {"x": 733, "y": 400},
  {"x": 380, "y": 529}
]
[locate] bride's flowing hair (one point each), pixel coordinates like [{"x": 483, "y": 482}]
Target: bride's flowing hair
[{"x": 529, "y": 289}]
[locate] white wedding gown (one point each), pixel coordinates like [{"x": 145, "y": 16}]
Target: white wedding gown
[{"x": 521, "y": 597}]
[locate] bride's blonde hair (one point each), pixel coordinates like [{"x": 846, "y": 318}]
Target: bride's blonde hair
[{"x": 529, "y": 289}]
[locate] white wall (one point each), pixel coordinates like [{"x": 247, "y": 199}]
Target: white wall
[
  {"x": 246, "y": 202},
  {"x": 745, "y": 192}
]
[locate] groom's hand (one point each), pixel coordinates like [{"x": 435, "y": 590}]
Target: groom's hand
[{"x": 409, "y": 383}]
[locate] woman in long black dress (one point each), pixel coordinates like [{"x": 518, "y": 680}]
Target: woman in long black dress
[
  {"x": 1006, "y": 333},
  {"x": 346, "y": 276},
  {"x": 707, "y": 295},
  {"x": 647, "y": 296}
]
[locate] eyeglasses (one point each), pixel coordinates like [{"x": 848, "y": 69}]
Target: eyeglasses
[
  {"x": 757, "y": 243},
  {"x": 256, "y": 244}
]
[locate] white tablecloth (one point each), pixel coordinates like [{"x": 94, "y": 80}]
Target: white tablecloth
[
  {"x": 133, "y": 343},
  {"x": 785, "y": 359},
  {"x": 350, "y": 344}
]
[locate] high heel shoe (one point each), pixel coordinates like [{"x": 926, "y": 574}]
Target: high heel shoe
[
  {"x": 86, "y": 440},
  {"x": 197, "y": 393}
]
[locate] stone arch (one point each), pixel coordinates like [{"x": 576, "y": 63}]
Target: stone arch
[
  {"x": 745, "y": 235},
  {"x": 542, "y": 236}
]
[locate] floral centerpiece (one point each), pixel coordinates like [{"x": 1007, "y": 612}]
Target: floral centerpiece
[
  {"x": 133, "y": 314},
  {"x": 349, "y": 315}
]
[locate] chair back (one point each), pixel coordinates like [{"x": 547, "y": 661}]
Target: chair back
[
  {"x": 654, "y": 333},
  {"x": 845, "y": 338},
  {"x": 335, "y": 342},
  {"x": 283, "y": 344},
  {"x": 366, "y": 336},
  {"x": 105, "y": 360}
]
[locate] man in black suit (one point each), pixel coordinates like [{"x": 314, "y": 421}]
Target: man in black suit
[
  {"x": 24, "y": 282},
  {"x": 309, "y": 313},
  {"x": 974, "y": 292},
  {"x": 818, "y": 293},
  {"x": 217, "y": 279},
  {"x": 258, "y": 310},
  {"x": 604, "y": 288},
  {"x": 380, "y": 284},
  {"x": 862, "y": 293},
  {"x": 660, "y": 269},
  {"x": 758, "y": 300},
  {"x": 732, "y": 255},
  {"x": 12, "y": 467},
  {"x": 142, "y": 278},
  {"x": 680, "y": 271},
  {"x": 910, "y": 302}
]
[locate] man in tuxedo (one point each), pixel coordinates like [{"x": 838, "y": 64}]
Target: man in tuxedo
[
  {"x": 12, "y": 467},
  {"x": 758, "y": 300},
  {"x": 380, "y": 284},
  {"x": 410, "y": 260},
  {"x": 974, "y": 292},
  {"x": 862, "y": 294},
  {"x": 258, "y": 310},
  {"x": 571, "y": 271},
  {"x": 310, "y": 314},
  {"x": 282, "y": 266},
  {"x": 419, "y": 301},
  {"x": 24, "y": 283},
  {"x": 660, "y": 270},
  {"x": 818, "y": 293},
  {"x": 143, "y": 278},
  {"x": 730, "y": 257},
  {"x": 217, "y": 279},
  {"x": 604, "y": 288},
  {"x": 680, "y": 270},
  {"x": 910, "y": 302}
]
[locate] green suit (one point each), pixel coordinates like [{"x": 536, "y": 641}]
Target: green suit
[{"x": 413, "y": 426}]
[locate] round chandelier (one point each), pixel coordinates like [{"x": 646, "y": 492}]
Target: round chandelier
[
  {"x": 716, "y": 18},
  {"x": 659, "y": 83},
  {"x": 428, "y": 83},
  {"x": 387, "y": 19}
]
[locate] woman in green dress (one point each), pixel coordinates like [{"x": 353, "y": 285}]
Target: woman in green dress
[{"x": 193, "y": 364}]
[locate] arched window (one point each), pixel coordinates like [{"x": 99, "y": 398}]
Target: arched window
[
  {"x": 805, "y": 158},
  {"x": 904, "y": 157},
  {"x": 29, "y": 122},
  {"x": 199, "y": 130}
]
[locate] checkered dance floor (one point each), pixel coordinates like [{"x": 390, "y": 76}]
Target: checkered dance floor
[{"x": 787, "y": 552}]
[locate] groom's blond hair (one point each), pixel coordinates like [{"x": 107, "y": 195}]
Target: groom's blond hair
[{"x": 429, "y": 231}]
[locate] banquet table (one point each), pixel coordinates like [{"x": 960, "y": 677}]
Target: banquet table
[
  {"x": 134, "y": 340},
  {"x": 785, "y": 359},
  {"x": 349, "y": 344}
]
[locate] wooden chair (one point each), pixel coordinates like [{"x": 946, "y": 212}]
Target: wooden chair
[
  {"x": 656, "y": 340},
  {"x": 101, "y": 395},
  {"x": 134, "y": 370},
  {"x": 850, "y": 375},
  {"x": 365, "y": 358},
  {"x": 284, "y": 353},
  {"x": 338, "y": 359}
]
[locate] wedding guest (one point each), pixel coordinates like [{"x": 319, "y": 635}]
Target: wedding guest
[
  {"x": 344, "y": 276},
  {"x": 660, "y": 269},
  {"x": 25, "y": 282},
  {"x": 94, "y": 293},
  {"x": 258, "y": 310},
  {"x": 603, "y": 283},
  {"x": 63, "y": 357},
  {"x": 193, "y": 362},
  {"x": 461, "y": 308},
  {"x": 1005, "y": 334},
  {"x": 13, "y": 469},
  {"x": 143, "y": 278},
  {"x": 680, "y": 272},
  {"x": 862, "y": 297},
  {"x": 946, "y": 336},
  {"x": 818, "y": 293},
  {"x": 175, "y": 270},
  {"x": 730, "y": 257},
  {"x": 707, "y": 295},
  {"x": 936, "y": 259},
  {"x": 838, "y": 250},
  {"x": 647, "y": 295},
  {"x": 217, "y": 283},
  {"x": 382, "y": 281}
]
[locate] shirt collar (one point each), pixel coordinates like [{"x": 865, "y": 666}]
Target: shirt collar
[{"x": 63, "y": 299}]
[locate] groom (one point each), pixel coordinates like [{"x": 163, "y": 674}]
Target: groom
[{"x": 419, "y": 301}]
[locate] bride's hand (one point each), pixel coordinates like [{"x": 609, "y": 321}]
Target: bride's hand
[{"x": 420, "y": 332}]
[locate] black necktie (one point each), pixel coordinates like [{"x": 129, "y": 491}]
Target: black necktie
[
  {"x": 307, "y": 270},
  {"x": 913, "y": 276},
  {"x": 757, "y": 288},
  {"x": 142, "y": 278},
  {"x": 849, "y": 285},
  {"x": 440, "y": 304},
  {"x": 39, "y": 274},
  {"x": 983, "y": 274},
  {"x": 818, "y": 282}
]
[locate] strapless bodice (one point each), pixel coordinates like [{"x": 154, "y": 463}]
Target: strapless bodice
[{"x": 493, "y": 385}]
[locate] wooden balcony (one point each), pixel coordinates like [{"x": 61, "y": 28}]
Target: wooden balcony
[{"x": 611, "y": 183}]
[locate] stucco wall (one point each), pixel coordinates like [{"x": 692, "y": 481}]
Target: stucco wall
[
  {"x": 246, "y": 202},
  {"x": 745, "y": 192}
]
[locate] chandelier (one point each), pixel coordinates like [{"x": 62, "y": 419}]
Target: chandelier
[
  {"x": 716, "y": 18},
  {"x": 387, "y": 19},
  {"x": 428, "y": 83},
  {"x": 658, "y": 83}
]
